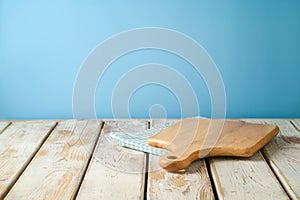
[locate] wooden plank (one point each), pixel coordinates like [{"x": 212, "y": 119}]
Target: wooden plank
[
  {"x": 246, "y": 178},
  {"x": 18, "y": 144},
  {"x": 192, "y": 183},
  {"x": 115, "y": 172},
  {"x": 282, "y": 153},
  {"x": 57, "y": 169},
  {"x": 3, "y": 125}
]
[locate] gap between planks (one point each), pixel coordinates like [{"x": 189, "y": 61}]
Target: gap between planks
[
  {"x": 265, "y": 158},
  {"x": 268, "y": 160},
  {"x": 210, "y": 175},
  {"x": 89, "y": 160},
  {"x": 115, "y": 172},
  {"x": 296, "y": 123},
  {"x": 146, "y": 167},
  {"x": 3, "y": 126}
]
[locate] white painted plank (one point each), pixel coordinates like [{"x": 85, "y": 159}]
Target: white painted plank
[
  {"x": 246, "y": 178},
  {"x": 3, "y": 125},
  {"x": 115, "y": 172},
  {"x": 57, "y": 169},
  {"x": 283, "y": 155},
  {"x": 18, "y": 144},
  {"x": 192, "y": 183}
]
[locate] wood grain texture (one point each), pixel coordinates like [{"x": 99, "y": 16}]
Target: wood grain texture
[
  {"x": 283, "y": 155},
  {"x": 245, "y": 178},
  {"x": 192, "y": 183},
  {"x": 3, "y": 125},
  {"x": 57, "y": 169},
  {"x": 237, "y": 178},
  {"x": 18, "y": 144},
  {"x": 191, "y": 138},
  {"x": 115, "y": 172}
]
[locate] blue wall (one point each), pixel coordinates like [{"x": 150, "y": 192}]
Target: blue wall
[{"x": 255, "y": 44}]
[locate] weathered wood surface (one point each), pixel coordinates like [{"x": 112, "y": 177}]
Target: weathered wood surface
[
  {"x": 193, "y": 183},
  {"x": 18, "y": 144},
  {"x": 245, "y": 178},
  {"x": 57, "y": 169},
  {"x": 115, "y": 172},
  {"x": 3, "y": 126},
  {"x": 296, "y": 122},
  {"x": 283, "y": 155},
  {"x": 35, "y": 166}
]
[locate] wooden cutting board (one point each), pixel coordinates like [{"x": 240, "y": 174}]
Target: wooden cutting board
[{"x": 194, "y": 138}]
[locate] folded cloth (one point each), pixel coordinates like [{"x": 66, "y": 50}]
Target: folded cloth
[{"x": 138, "y": 141}]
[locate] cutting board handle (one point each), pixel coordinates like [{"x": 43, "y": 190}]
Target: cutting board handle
[
  {"x": 175, "y": 161},
  {"x": 172, "y": 161}
]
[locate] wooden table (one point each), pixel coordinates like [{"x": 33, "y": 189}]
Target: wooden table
[{"x": 75, "y": 159}]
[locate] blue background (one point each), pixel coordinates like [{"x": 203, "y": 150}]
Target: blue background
[{"x": 255, "y": 44}]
